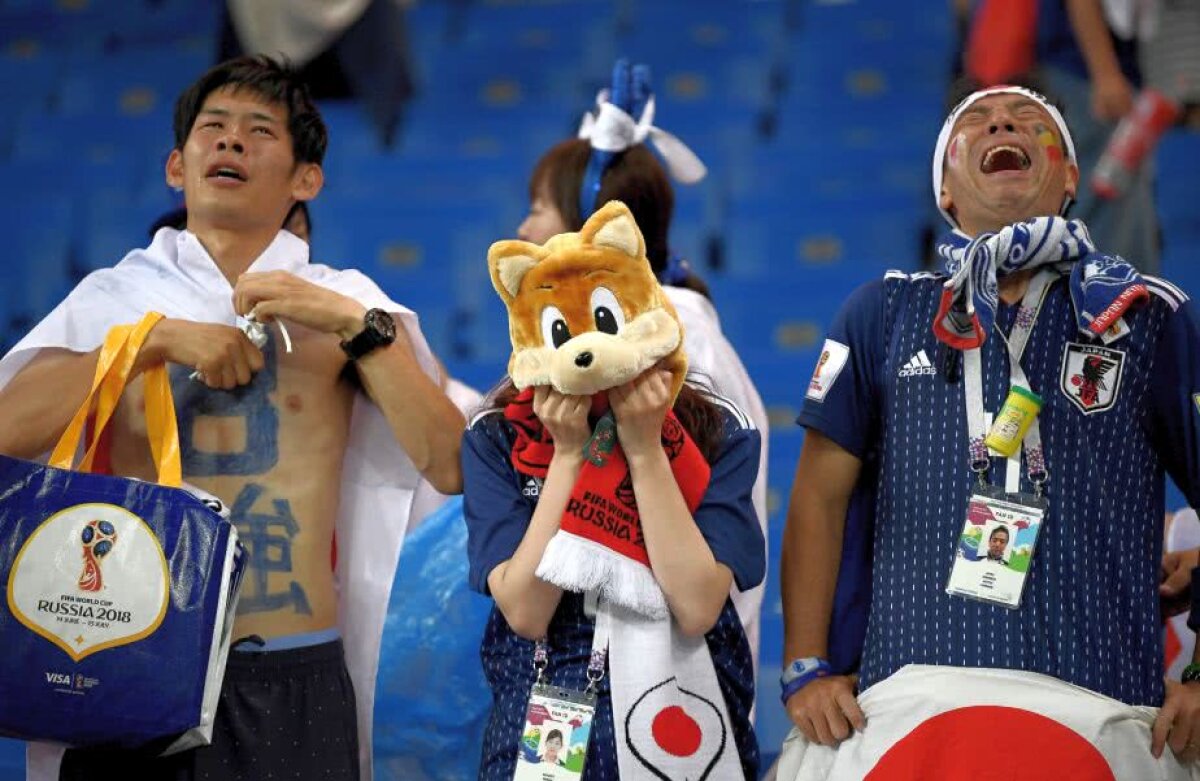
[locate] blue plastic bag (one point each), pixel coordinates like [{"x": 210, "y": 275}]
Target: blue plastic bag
[{"x": 431, "y": 699}]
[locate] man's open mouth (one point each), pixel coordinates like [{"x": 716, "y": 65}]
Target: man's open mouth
[
  {"x": 226, "y": 172},
  {"x": 1005, "y": 158}
]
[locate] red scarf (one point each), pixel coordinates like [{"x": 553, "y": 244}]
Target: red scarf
[{"x": 602, "y": 507}]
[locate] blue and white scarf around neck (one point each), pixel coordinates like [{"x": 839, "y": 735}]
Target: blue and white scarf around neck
[{"x": 1103, "y": 286}]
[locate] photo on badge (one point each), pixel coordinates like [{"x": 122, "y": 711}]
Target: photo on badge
[
  {"x": 994, "y": 549},
  {"x": 554, "y": 741}
]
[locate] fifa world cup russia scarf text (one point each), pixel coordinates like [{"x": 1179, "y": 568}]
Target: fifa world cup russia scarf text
[
  {"x": 1103, "y": 287},
  {"x": 602, "y": 507}
]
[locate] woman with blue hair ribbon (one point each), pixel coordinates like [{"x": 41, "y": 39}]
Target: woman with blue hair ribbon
[{"x": 611, "y": 160}]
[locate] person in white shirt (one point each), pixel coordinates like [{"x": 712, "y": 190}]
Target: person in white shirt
[{"x": 328, "y": 437}]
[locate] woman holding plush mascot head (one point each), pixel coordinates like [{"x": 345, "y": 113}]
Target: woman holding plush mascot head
[
  {"x": 611, "y": 160},
  {"x": 609, "y": 511}
]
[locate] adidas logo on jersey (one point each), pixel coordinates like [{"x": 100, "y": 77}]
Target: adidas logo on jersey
[
  {"x": 533, "y": 487},
  {"x": 917, "y": 365}
]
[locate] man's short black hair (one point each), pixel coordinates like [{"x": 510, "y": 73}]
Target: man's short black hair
[
  {"x": 1004, "y": 529},
  {"x": 273, "y": 80},
  {"x": 299, "y": 207}
]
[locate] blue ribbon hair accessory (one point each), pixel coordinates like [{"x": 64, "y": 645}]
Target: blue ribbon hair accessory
[{"x": 624, "y": 117}]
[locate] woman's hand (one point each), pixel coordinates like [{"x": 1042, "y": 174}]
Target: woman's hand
[
  {"x": 565, "y": 417},
  {"x": 640, "y": 407}
]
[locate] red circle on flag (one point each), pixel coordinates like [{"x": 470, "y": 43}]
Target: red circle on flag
[
  {"x": 951, "y": 747},
  {"x": 675, "y": 732}
]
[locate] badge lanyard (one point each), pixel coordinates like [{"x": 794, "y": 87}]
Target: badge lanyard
[
  {"x": 595, "y": 670},
  {"x": 978, "y": 571},
  {"x": 980, "y": 460},
  {"x": 565, "y": 715}
]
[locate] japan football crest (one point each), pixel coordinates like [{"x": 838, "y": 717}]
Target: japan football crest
[{"x": 1091, "y": 376}]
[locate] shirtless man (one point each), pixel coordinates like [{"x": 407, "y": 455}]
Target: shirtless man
[{"x": 270, "y": 432}]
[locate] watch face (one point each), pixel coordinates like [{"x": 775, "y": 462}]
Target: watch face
[{"x": 381, "y": 323}]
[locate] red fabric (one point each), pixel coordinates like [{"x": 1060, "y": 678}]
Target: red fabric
[
  {"x": 1002, "y": 41},
  {"x": 102, "y": 463},
  {"x": 951, "y": 337},
  {"x": 954, "y": 746},
  {"x": 602, "y": 507},
  {"x": 1172, "y": 645}
]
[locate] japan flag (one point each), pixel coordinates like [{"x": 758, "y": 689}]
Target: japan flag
[
  {"x": 677, "y": 734},
  {"x": 952, "y": 723}
]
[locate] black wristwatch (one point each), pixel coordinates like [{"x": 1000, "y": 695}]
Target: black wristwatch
[
  {"x": 1191, "y": 673},
  {"x": 379, "y": 329}
]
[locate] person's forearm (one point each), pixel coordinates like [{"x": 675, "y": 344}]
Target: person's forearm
[
  {"x": 37, "y": 405},
  {"x": 812, "y": 546},
  {"x": 424, "y": 420},
  {"x": 695, "y": 584},
  {"x": 528, "y": 602},
  {"x": 1094, "y": 39}
]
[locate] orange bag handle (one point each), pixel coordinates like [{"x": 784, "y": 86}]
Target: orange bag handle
[{"x": 113, "y": 369}]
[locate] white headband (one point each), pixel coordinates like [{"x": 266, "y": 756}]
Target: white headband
[
  {"x": 939, "y": 152},
  {"x": 610, "y": 129}
]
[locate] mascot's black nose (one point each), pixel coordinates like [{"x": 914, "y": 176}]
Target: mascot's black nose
[{"x": 583, "y": 360}]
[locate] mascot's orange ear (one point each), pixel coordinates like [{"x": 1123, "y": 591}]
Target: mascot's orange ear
[
  {"x": 613, "y": 226},
  {"x": 509, "y": 262}
]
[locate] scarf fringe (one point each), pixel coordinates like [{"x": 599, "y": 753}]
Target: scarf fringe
[{"x": 577, "y": 564}]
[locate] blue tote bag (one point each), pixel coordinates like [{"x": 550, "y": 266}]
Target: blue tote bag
[{"x": 119, "y": 593}]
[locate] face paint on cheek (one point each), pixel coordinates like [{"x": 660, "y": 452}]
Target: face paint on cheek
[
  {"x": 1047, "y": 139},
  {"x": 957, "y": 150}
]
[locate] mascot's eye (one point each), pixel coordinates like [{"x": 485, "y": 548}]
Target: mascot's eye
[
  {"x": 610, "y": 318},
  {"x": 554, "y": 327}
]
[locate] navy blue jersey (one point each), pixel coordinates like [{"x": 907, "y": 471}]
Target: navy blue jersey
[
  {"x": 1116, "y": 416},
  {"x": 498, "y": 503}
]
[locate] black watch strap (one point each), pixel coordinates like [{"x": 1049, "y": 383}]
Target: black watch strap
[{"x": 379, "y": 330}]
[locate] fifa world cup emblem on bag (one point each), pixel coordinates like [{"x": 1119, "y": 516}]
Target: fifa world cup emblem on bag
[{"x": 98, "y": 537}]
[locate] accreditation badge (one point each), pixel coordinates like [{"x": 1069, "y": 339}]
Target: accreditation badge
[
  {"x": 558, "y": 726},
  {"x": 996, "y": 546}
]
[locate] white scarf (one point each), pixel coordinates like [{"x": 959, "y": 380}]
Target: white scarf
[
  {"x": 669, "y": 714},
  {"x": 176, "y": 276}
]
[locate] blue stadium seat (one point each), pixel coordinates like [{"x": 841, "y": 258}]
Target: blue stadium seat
[
  {"x": 110, "y": 227},
  {"x": 577, "y": 37},
  {"x": 29, "y": 74},
  {"x": 99, "y": 149},
  {"x": 425, "y": 255},
  {"x": 702, "y": 31},
  {"x": 37, "y": 236},
  {"x": 88, "y": 29},
  {"x": 1176, "y": 192},
  {"x": 475, "y": 133},
  {"x": 829, "y": 247},
  {"x": 134, "y": 81}
]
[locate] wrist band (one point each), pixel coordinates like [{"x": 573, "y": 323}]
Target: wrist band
[{"x": 821, "y": 670}]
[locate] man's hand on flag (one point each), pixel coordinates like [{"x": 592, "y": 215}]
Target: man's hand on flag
[
  {"x": 826, "y": 709},
  {"x": 1178, "y": 722}
]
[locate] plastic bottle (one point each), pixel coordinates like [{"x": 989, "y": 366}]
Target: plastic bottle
[{"x": 1135, "y": 137}]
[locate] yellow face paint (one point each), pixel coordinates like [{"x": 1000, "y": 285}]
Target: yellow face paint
[{"x": 1047, "y": 139}]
